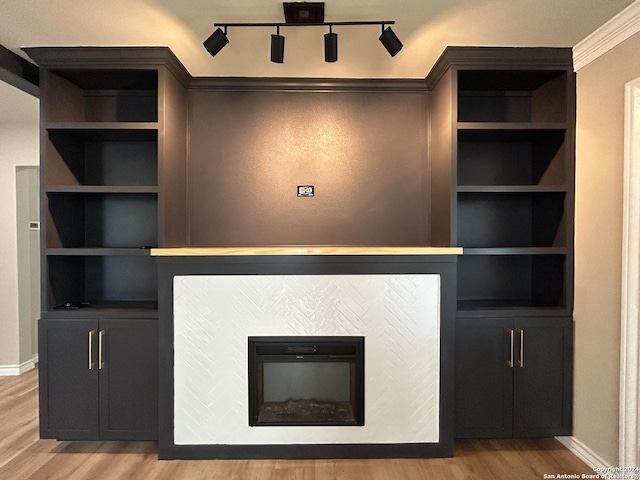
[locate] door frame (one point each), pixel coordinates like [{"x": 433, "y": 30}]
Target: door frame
[{"x": 630, "y": 298}]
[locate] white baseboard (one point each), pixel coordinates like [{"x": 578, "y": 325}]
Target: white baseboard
[
  {"x": 13, "y": 370},
  {"x": 583, "y": 452}
]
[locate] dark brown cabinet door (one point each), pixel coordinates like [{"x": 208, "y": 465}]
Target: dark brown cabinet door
[
  {"x": 542, "y": 393},
  {"x": 513, "y": 377},
  {"x": 98, "y": 379},
  {"x": 484, "y": 379},
  {"x": 128, "y": 379},
  {"x": 68, "y": 379}
]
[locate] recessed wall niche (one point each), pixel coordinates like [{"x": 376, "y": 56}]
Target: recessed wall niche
[{"x": 365, "y": 152}]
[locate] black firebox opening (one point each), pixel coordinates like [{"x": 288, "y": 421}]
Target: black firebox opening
[{"x": 306, "y": 381}]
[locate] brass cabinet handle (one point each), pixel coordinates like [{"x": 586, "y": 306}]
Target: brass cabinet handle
[
  {"x": 90, "y": 349},
  {"x": 510, "y": 361},
  {"x": 100, "y": 357},
  {"x": 521, "y": 357}
]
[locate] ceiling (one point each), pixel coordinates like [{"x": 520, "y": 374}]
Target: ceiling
[{"x": 424, "y": 27}]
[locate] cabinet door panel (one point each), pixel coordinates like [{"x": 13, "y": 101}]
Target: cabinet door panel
[
  {"x": 68, "y": 387},
  {"x": 543, "y": 383},
  {"x": 129, "y": 380},
  {"x": 484, "y": 379}
]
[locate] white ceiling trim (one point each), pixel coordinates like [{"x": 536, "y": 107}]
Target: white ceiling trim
[{"x": 608, "y": 36}]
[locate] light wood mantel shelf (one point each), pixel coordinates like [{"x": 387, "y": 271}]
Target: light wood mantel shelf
[{"x": 302, "y": 250}]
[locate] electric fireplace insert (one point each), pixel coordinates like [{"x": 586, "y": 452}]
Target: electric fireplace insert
[{"x": 306, "y": 381}]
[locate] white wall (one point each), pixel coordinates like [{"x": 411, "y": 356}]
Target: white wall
[
  {"x": 19, "y": 145},
  {"x": 598, "y": 243}
]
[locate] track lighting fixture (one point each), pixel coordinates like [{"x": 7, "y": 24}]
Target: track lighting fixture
[
  {"x": 330, "y": 46},
  {"x": 304, "y": 14},
  {"x": 277, "y": 47},
  {"x": 390, "y": 41},
  {"x": 216, "y": 41}
]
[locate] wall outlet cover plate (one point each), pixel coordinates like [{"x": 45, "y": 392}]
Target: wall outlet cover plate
[{"x": 306, "y": 190}]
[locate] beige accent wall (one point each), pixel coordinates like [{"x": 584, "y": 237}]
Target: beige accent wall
[
  {"x": 599, "y": 174},
  {"x": 18, "y": 146}
]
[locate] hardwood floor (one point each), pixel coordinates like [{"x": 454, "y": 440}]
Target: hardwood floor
[{"x": 24, "y": 456}]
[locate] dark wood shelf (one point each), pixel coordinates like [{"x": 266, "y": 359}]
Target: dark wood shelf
[
  {"x": 506, "y": 306},
  {"x": 100, "y": 189},
  {"x": 517, "y": 251},
  {"x": 91, "y": 126},
  {"x": 129, "y": 310},
  {"x": 121, "y": 131},
  {"x": 512, "y": 127},
  {"x": 132, "y": 251},
  {"x": 511, "y": 188}
]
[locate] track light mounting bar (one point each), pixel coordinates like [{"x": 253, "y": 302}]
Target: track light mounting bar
[
  {"x": 303, "y": 14},
  {"x": 322, "y": 24}
]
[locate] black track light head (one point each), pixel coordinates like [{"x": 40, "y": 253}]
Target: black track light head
[
  {"x": 216, "y": 42},
  {"x": 390, "y": 41},
  {"x": 307, "y": 17},
  {"x": 330, "y": 47},
  {"x": 277, "y": 48}
]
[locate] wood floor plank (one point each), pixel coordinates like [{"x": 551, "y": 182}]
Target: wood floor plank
[{"x": 24, "y": 456}]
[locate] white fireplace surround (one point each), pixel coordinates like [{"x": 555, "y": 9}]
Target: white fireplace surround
[{"x": 398, "y": 314}]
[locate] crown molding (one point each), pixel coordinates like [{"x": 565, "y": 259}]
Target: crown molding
[
  {"x": 512, "y": 58},
  {"x": 397, "y": 85},
  {"x": 108, "y": 57},
  {"x": 608, "y": 36}
]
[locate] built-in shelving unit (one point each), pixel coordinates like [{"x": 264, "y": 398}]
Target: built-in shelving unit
[
  {"x": 504, "y": 141},
  {"x": 101, "y": 188},
  {"x": 114, "y": 146},
  {"x": 514, "y": 176},
  {"x": 111, "y": 120}
]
